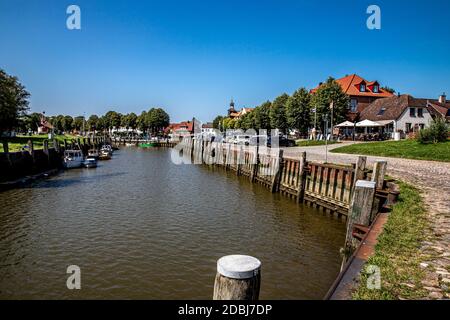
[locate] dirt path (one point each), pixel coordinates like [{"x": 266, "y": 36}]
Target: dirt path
[{"x": 433, "y": 179}]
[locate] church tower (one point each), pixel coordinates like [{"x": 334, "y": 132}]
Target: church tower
[{"x": 231, "y": 109}]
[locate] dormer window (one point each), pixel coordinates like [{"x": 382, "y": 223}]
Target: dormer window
[
  {"x": 376, "y": 89},
  {"x": 381, "y": 111},
  {"x": 362, "y": 87}
]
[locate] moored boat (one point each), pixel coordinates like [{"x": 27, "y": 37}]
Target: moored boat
[
  {"x": 73, "y": 159},
  {"x": 93, "y": 153},
  {"x": 90, "y": 162},
  {"x": 104, "y": 155}
]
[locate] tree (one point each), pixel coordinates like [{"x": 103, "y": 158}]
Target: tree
[
  {"x": 141, "y": 122},
  {"x": 329, "y": 92},
  {"x": 93, "y": 123},
  {"x": 30, "y": 122},
  {"x": 78, "y": 123},
  {"x": 262, "y": 116},
  {"x": 298, "y": 110},
  {"x": 278, "y": 113},
  {"x": 129, "y": 121},
  {"x": 217, "y": 122},
  {"x": 112, "y": 120},
  {"x": 67, "y": 123},
  {"x": 13, "y": 101},
  {"x": 157, "y": 119}
]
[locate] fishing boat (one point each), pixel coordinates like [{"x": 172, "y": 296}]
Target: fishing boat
[
  {"x": 90, "y": 162},
  {"x": 107, "y": 149},
  {"x": 104, "y": 155},
  {"x": 129, "y": 144},
  {"x": 73, "y": 159}
]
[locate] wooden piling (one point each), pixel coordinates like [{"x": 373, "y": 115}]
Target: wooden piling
[
  {"x": 238, "y": 278},
  {"x": 276, "y": 171},
  {"x": 360, "y": 210},
  {"x": 359, "y": 169},
  {"x": 301, "y": 178},
  {"x": 379, "y": 171}
]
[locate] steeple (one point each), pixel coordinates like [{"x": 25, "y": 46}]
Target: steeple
[{"x": 231, "y": 109}]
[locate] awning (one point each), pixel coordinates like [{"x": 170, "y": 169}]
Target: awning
[
  {"x": 345, "y": 124},
  {"x": 385, "y": 122},
  {"x": 368, "y": 123}
]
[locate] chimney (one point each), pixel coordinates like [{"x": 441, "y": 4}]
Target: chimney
[{"x": 442, "y": 98}]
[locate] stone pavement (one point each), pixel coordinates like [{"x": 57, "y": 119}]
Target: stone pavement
[{"x": 433, "y": 180}]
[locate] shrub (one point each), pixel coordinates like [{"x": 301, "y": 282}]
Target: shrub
[{"x": 437, "y": 132}]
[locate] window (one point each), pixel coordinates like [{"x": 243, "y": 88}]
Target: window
[
  {"x": 353, "y": 105},
  {"x": 381, "y": 112},
  {"x": 408, "y": 127},
  {"x": 376, "y": 89},
  {"x": 412, "y": 112},
  {"x": 420, "y": 113},
  {"x": 421, "y": 126},
  {"x": 362, "y": 87}
]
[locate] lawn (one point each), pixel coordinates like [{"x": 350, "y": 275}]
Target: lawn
[
  {"x": 312, "y": 143},
  {"x": 397, "y": 251},
  {"x": 409, "y": 149},
  {"x": 15, "y": 144}
]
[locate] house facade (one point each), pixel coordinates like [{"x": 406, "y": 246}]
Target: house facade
[
  {"x": 361, "y": 93},
  {"x": 404, "y": 113}
]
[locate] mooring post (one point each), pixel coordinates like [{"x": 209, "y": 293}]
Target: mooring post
[
  {"x": 379, "y": 171},
  {"x": 277, "y": 172},
  {"x": 238, "y": 278},
  {"x": 360, "y": 211},
  {"x": 5, "y": 146},
  {"x": 254, "y": 165},
  {"x": 359, "y": 170},
  {"x": 31, "y": 149},
  {"x": 239, "y": 157},
  {"x": 301, "y": 178},
  {"x": 46, "y": 151}
]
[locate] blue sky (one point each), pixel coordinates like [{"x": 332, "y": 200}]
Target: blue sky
[{"x": 191, "y": 57}]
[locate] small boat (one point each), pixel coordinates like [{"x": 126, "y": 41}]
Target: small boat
[
  {"x": 90, "y": 162},
  {"x": 107, "y": 148},
  {"x": 93, "y": 153},
  {"x": 73, "y": 159},
  {"x": 129, "y": 144},
  {"x": 104, "y": 155},
  {"x": 148, "y": 144}
]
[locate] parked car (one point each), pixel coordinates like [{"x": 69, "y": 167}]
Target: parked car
[{"x": 282, "y": 141}]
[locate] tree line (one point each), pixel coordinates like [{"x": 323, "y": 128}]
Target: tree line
[
  {"x": 14, "y": 115},
  {"x": 294, "y": 111}
]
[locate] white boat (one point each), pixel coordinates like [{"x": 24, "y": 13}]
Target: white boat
[
  {"x": 90, "y": 162},
  {"x": 129, "y": 144},
  {"x": 93, "y": 153},
  {"x": 73, "y": 159}
]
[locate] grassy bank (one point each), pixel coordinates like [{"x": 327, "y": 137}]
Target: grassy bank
[
  {"x": 16, "y": 143},
  {"x": 312, "y": 143},
  {"x": 397, "y": 251},
  {"x": 409, "y": 149}
]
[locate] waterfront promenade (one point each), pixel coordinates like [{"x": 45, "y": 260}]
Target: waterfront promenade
[{"x": 432, "y": 179}]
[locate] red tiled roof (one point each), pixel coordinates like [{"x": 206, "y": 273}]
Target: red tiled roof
[
  {"x": 184, "y": 125},
  {"x": 350, "y": 85}
]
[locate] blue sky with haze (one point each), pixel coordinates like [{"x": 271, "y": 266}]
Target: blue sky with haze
[{"x": 191, "y": 57}]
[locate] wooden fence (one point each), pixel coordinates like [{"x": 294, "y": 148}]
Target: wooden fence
[{"x": 322, "y": 184}]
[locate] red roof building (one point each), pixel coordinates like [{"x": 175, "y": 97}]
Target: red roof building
[{"x": 361, "y": 92}]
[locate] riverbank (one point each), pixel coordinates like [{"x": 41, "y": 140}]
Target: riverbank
[
  {"x": 15, "y": 144},
  {"x": 397, "y": 252},
  {"x": 408, "y": 149},
  {"x": 430, "y": 178}
]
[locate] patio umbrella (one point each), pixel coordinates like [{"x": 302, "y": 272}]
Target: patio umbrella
[
  {"x": 345, "y": 124},
  {"x": 368, "y": 123}
]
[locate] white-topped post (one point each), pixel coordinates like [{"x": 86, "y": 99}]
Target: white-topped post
[{"x": 238, "y": 278}]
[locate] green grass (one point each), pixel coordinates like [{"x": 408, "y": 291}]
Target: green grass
[
  {"x": 312, "y": 143},
  {"x": 410, "y": 149},
  {"x": 397, "y": 251},
  {"x": 16, "y": 143}
]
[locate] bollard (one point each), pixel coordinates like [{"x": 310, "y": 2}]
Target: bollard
[{"x": 238, "y": 278}]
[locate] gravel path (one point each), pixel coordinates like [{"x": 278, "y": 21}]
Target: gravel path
[{"x": 433, "y": 179}]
